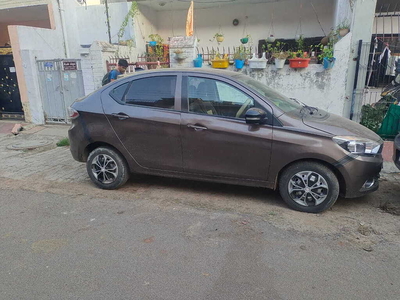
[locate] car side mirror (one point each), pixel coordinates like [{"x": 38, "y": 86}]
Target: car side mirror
[{"x": 256, "y": 116}]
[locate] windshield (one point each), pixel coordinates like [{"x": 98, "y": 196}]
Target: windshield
[{"x": 282, "y": 102}]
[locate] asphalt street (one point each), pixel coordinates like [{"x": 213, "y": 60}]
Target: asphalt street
[{"x": 56, "y": 246}]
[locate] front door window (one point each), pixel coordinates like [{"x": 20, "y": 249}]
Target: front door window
[{"x": 217, "y": 98}]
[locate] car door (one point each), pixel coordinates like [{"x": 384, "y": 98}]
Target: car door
[
  {"x": 143, "y": 114},
  {"x": 215, "y": 137}
]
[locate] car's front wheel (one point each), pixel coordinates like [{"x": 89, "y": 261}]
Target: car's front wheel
[
  {"x": 107, "y": 168},
  {"x": 309, "y": 187}
]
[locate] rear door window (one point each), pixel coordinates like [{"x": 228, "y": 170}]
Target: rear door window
[
  {"x": 156, "y": 91},
  {"x": 118, "y": 93}
]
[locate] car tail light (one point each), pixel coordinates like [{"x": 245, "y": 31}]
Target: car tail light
[{"x": 73, "y": 114}]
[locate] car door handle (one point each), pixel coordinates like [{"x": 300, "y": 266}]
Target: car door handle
[
  {"x": 197, "y": 127},
  {"x": 121, "y": 116}
]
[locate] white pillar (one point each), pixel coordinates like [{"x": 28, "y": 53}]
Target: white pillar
[{"x": 363, "y": 15}]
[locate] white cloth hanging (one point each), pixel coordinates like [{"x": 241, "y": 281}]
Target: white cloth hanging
[
  {"x": 391, "y": 66},
  {"x": 383, "y": 54}
]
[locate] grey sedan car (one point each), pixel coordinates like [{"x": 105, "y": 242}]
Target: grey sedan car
[{"x": 224, "y": 127}]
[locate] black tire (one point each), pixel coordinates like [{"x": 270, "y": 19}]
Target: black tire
[
  {"x": 293, "y": 189},
  {"x": 116, "y": 169}
]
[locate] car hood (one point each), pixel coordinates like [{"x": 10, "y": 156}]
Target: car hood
[{"x": 336, "y": 125}]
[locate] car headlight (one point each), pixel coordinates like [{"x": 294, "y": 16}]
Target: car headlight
[{"x": 357, "y": 145}]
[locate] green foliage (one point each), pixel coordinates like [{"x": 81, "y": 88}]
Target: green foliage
[
  {"x": 345, "y": 24},
  {"x": 218, "y": 34},
  {"x": 63, "y": 142},
  {"x": 277, "y": 50},
  {"x": 326, "y": 51},
  {"x": 155, "y": 37},
  {"x": 241, "y": 53},
  {"x": 372, "y": 117},
  {"x": 133, "y": 11},
  {"x": 300, "y": 44}
]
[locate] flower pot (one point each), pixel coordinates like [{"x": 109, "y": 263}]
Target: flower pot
[
  {"x": 220, "y": 63},
  {"x": 180, "y": 56},
  {"x": 343, "y": 32},
  {"x": 258, "y": 63},
  {"x": 220, "y": 39},
  {"x": 298, "y": 37},
  {"x": 279, "y": 63},
  {"x": 299, "y": 62},
  {"x": 239, "y": 63},
  {"x": 329, "y": 63},
  {"x": 271, "y": 39},
  {"x": 198, "y": 62},
  {"x": 244, "y": 40},
  {"x": 152, "y": 43}
]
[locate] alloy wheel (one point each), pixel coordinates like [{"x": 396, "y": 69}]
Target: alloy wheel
[
  {"x": 104, "y": 169},
  {"x": 308, "y": 188}
]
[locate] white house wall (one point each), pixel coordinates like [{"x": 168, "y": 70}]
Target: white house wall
[
  {"x": 286, "y": 21},
  {"x": 92, "y": 23},
  {"x": 145, "y": 24}
]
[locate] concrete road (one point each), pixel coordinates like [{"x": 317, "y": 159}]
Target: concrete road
[{"x": 58, "y": 246}]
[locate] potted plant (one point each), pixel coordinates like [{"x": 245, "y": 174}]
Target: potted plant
[
  {"x": 326, "y": 56},
  {"x": 278, "y": 54},
  {"x": 271, "y": 38},
  {"x": 155, "y": 39},
  {"x": 245, "y": 40},
  {"x": 343, "y": 28},
  {"x": 240, "y": 56},
  {"x": 219, "y": 37},
  {"x": 220, "y": 63},
  {"x": 179, "y": 54},
  {"x": 298, "y": 59}
]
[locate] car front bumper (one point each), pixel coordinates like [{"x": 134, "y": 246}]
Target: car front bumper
[{"x": 361, "y": 175}]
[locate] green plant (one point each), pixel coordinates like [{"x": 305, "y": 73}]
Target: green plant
[
  {"x": 300, "y": 44},
  {"x": 372, "y": 117},
  {"x": 63, "y": 142},
  {"x": 133, "y": 11},
  {"x": 155, "y": 37},
  {"x": 345, "y": 24},
  {"x": 277, "y": 50},
  {"x": 241, "y": 53},
  {"x": 218, "y": 34},
  {"x": 326, "y": 51},
  {"x": 298, "y": 54}
]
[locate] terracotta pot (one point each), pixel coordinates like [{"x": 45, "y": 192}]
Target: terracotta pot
[{"x": 344, "y": 31}]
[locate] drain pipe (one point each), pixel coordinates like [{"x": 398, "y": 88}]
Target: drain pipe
[
  {"x": 63, "y": 27},
  {"x": 356, "y": 79}
]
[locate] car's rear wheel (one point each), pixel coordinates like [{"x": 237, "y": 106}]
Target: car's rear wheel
[
  {"x": 107, "y": 168},
  {"x": 309, "y": 187}
]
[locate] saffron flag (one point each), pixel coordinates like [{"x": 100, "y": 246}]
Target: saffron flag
[{"x": 189, "y": 21}]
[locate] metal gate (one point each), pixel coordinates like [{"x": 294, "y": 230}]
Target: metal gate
[
  {"x": 61, "y": 83},
  {"x": 376, "y": 58}
]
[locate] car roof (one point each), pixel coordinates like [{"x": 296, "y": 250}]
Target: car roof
[{"x": 210, "y": 71}]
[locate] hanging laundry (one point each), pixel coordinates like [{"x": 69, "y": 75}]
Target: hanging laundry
[{"x": 391, "y": 66}]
